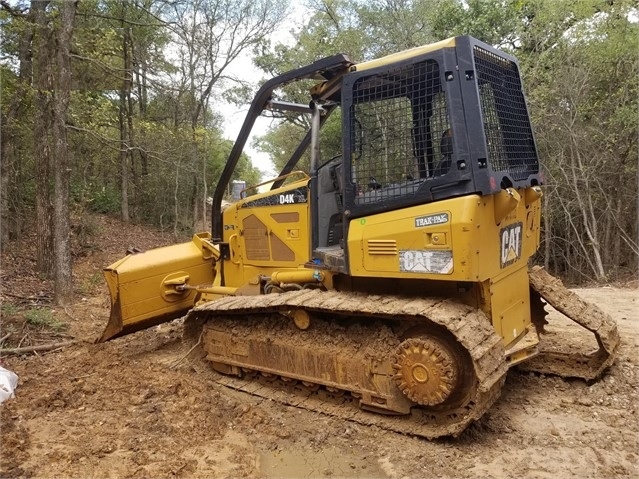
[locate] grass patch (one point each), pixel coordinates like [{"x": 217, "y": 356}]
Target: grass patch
[
  {"x": 8, "y": 309},
  {"x": 89, "y": 284},
  {"x": 43, "y": 318}
]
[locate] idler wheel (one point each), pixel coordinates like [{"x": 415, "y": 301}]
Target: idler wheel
[{"x": 426, "y": 370}]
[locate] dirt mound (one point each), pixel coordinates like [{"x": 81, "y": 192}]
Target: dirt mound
[{"x": 136, "y": 407}]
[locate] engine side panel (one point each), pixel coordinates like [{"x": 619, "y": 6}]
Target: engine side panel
[
  {"x": 267, "y": 232},
  {"x": 473, "y": 239}
]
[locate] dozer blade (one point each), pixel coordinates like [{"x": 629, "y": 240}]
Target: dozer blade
[
  {"x": 553, "y": 357},
  {"x": 145, "y": 289}
]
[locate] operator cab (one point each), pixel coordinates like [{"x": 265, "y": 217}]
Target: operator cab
[{"x": 407, "y": 137}]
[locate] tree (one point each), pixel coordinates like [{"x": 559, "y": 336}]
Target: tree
[
  {"x": 52, "y": 79},
  {"x": 210, "y": 35},
  {"x": 584, "y": 98}
]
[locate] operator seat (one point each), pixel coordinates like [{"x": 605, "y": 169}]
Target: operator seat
[{"x": 446, "y": 151}]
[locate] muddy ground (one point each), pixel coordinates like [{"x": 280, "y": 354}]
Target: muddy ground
[{"x": 135, "y": 407}]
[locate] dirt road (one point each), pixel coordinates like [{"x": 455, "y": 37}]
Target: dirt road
[{"x": 135, "y": 407}]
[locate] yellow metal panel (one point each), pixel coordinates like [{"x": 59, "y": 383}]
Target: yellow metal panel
[
  {"x": 166, "y": 259},
  {"x": 464, "y": 228},
  {"x": 510, "y": 303},
  {"x": 273, "y": 224},
  {"x": 376, "y": 243},
  {"x": 406, "y": 54},
  {"x": 489, "y": 240},
  {"x": 139, "y": 284}
]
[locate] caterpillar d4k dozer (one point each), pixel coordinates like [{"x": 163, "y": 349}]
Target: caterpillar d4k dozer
[{"x": 389, "y": 284}]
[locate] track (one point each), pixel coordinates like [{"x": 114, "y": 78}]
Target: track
[
  {"x": 471, "y": 329},
  {"x": 553, "y": 358}
]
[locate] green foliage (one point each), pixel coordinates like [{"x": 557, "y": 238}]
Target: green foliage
[
  {"x": 493, "y": 22},
  {"x": 105, "y": 200},
  {"x": 581, "y": 71},
  {"x": 43, "y": 318},
  {"x": 137, "y": 111},
  {"x": 8, "y": 309},
  {"x": 280, "y": 142},
  {"x": 89, "y": 285}
]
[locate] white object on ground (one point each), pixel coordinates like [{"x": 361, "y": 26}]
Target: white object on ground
[{"x": 8, "y": 384}]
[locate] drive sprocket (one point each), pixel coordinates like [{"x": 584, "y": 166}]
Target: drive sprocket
[{"x": 425, "y": 371}]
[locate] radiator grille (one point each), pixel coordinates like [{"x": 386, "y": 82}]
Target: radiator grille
[
  {"x": 401, "y": 131},
  {"x": 382, "y": 247},
  {"x": 509, "y": 137}
]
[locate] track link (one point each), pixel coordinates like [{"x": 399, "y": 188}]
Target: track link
[
  {"x": 551, "y": 359},
  {"x": 470, "y": 328}
]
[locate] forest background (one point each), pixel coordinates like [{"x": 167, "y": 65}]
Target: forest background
[{"x": 114, "y": 106}]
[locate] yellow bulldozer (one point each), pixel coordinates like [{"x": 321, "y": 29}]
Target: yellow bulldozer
[{"x": 388, "y": 284}]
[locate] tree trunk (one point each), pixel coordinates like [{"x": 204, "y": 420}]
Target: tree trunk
[
  {"x": 63, "y": 286},
  {"x": 176, "y": 201},
  {"x": 130, "y": 132},
  {"x": 124, "y": 135},
  {"x": 142, "y": 73},
  {"x": 5, "y": 165},
  {"x": 43, "y": 79},
  {"x": 52, "y": 79}
]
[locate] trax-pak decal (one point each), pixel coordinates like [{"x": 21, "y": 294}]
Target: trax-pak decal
[
  {"x": 291, "y": 197},
  {"x": 510, "y": 250},
  {"x": 436, "y": 219}
]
